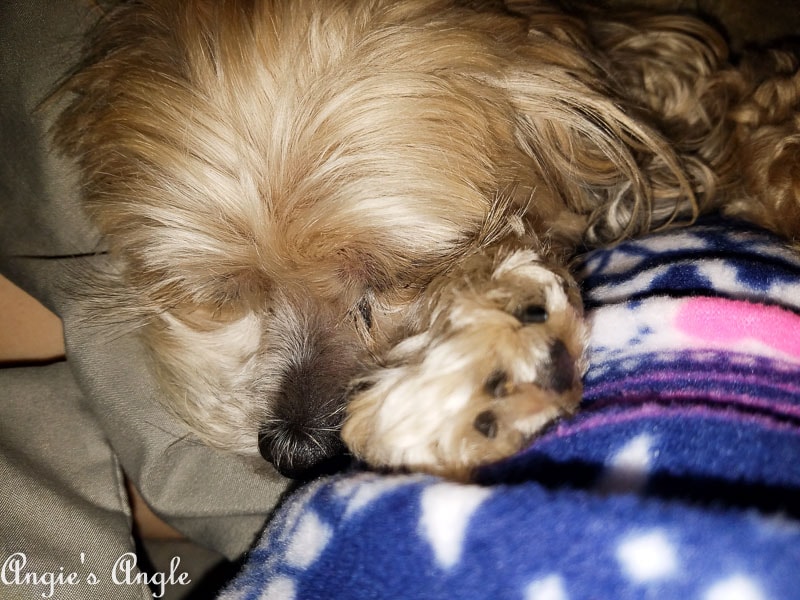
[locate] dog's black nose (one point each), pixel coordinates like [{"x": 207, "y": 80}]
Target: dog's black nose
[
  {"x": 300, "y": 433},
  {"x": 302, "y": 454}
]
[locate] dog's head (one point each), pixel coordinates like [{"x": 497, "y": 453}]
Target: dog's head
[{"x": 282, "y": 181}]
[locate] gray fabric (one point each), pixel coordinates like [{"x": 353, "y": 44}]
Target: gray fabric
[
  {"x": 62, "y": 497},
  {"x": 214, "y": 498}
]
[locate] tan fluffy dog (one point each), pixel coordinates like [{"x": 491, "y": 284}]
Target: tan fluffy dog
[{"x": 361, "y": 212}]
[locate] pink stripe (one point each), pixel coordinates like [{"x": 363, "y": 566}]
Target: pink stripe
[{"x": 725, "y": 322}]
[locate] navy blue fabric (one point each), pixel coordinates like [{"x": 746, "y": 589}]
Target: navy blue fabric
[{"x": 679, "y": 478}]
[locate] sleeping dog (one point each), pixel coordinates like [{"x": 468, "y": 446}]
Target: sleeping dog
[{"x": 354, "y": 219}]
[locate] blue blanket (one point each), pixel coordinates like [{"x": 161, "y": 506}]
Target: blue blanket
[{"x": 679, "y": 478}]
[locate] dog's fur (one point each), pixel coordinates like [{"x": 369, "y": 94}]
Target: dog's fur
[{"x": 363, "y": 211}]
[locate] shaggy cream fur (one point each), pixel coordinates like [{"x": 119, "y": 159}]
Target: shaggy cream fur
[{"x": 367, "y": 208}]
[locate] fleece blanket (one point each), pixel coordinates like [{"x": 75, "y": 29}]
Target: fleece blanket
[{"x": 679, "y": 478}]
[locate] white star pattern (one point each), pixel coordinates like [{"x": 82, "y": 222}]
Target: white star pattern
[
  {"x": 647, "y": 556},
  {"x": 280, "y": 588},
  {"x": 547, "y": 588},
  {"x": 737, "y": 587},
  {"x": 308, "y": 542},
  {"x": 629, "y": 467},
  {"x": 446, "y": 512}
]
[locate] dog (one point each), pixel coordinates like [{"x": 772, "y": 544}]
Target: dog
[{"x": 348, "y": 225}]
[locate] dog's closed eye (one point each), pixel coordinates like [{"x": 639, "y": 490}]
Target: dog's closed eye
[
  {"x": 531, "y": 313},
  {"x": 365, "y": 310}
]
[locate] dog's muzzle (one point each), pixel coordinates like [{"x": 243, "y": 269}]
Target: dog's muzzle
[
  {"x": 301, "y": 436},
  {"x": 311, "y": 457}
]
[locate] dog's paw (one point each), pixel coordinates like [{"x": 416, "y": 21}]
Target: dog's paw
[{"x": 500, "y": 359}]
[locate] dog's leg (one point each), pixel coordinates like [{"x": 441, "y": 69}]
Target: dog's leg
[{"x": 498, "y": 355}]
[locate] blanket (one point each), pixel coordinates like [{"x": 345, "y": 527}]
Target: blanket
[{"x": 679, "y": 478}]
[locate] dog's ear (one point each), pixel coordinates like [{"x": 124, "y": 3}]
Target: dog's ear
[
  {"x": 163, "y": 175},
  {"x": 601, "y": 152}
]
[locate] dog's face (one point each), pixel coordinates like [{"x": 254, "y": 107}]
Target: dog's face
[
  {"x": 288, "y": 184},
  {"x": 384, "y": 176}
]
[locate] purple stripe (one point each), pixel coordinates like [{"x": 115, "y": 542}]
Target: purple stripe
[
  {"x": 725, "y": 400},
  {"x": 587, "y": 420},
  {"x": 744, "y": 405},
  {"x": 606, "y": 393}
]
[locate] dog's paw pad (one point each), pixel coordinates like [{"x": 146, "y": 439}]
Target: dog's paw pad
[
  {"x": 498, "y": 385},
  {"x": 500, "y": 360},
  {"x": 486, "y": 424}
]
